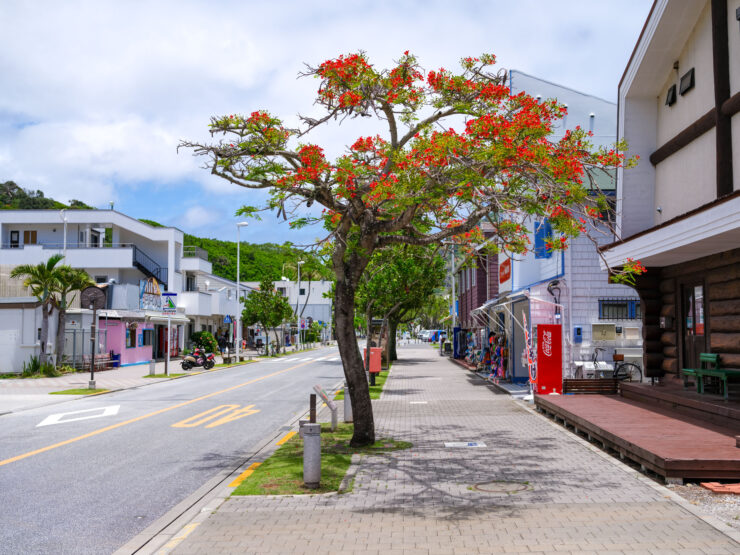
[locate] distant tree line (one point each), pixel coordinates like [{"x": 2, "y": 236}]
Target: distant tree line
[{"x": 14, "y": 197}]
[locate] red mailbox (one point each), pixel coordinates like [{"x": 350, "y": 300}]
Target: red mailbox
[{"x": 374, "y": 359}]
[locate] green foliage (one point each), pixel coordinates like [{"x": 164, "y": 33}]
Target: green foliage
[
  {"x": 205, "y": 340},
  {"x": 151, "y": 222},
  {"x": 258, "y": 261},
  {"x": 35, "y": 369},
  {"x": 13, "y": 197},
  {"x": 266, "y": 307}
]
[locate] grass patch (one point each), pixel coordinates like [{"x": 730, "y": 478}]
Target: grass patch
[
  {"x": 375, "y": 390},
  {"x": 282, "y": 473},
  {"x": 164, "y": 375},
  {"x": 78, "y": 391}
]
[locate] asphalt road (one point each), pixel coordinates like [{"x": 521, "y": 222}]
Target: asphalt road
[{"x": 89, "y": 481}]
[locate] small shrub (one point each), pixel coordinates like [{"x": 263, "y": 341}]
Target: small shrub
[
  {"x": 32, "y": 367},
  {"x": 205, "y": 340}
]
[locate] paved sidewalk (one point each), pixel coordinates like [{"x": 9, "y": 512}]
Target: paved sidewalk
[{"x": 572, "y": 498}]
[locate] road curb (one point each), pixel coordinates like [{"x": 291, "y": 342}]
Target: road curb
[{"x": 164, "y": 534}]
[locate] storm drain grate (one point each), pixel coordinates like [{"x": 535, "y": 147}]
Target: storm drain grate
[{"x": 502, "y": 486}]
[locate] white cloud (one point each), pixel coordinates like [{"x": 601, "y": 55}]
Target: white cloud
[{"x": 97, "y": 95}]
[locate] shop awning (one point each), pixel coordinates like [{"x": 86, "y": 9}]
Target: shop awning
[
  {"x": 159, "y": 318},
  {"x": 127, "y": 314}
]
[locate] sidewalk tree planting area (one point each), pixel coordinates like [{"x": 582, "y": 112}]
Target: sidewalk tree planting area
[{"x": 443, "y": 152}]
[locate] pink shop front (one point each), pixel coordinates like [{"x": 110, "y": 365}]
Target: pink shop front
[{"x": 131, "y": 339}]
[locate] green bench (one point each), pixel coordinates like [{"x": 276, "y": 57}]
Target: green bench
[{"x": 709, "y": 368}]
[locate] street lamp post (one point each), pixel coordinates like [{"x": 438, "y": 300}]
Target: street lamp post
[
  {"x": 63, "y": 214},
  {"x": 298, "y": 301},
  {"x": 238, "y": 299}
]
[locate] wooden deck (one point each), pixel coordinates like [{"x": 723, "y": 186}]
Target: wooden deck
[{"x": 671, "y": 444}]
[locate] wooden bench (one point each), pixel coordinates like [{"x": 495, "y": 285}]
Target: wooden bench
[
  {"x": 709, "y": 368},
  {"x": 598, "y": 386}
]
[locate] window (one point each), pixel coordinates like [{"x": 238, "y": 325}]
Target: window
[
  {"x": 281, "y": 291},
  {"x": 29, "y": 237},
  {"x": 472, "y": 275},
  {"x": 101, "y": 279},
  {"x": 15, "y": 241},
  {"x": 130, "y": 338},
  {"x": 302, "y": 291},
  {"x": 619, "y": 309},
  {"x": 687, "y": 82},
  {"x": 670, "y": 97},
  {"x": 190, "y": 283},
  {"x": 148, "y": 338},
  {"x": 542, "y": 233}
]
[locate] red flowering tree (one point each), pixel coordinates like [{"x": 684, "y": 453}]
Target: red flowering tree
[{"x": 419, "y": 183}]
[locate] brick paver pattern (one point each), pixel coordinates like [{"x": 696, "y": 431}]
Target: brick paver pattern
[{"x": 423, "y": 500}]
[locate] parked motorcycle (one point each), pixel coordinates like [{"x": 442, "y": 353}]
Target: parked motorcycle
[{"x": 198, "y": 358}]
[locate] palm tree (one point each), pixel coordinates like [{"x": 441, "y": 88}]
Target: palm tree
[
  {"x": 43, "y": 279},
  {"x": 70, "y": 280}
]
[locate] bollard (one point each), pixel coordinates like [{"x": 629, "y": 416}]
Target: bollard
[
  {"x": 151, "y": 367},
  {"x": 347, "y": 404},
  {"x": 311, "y": 455},
  {"x": 91, "y": 384},
  {"x": 312, "y": 409}
]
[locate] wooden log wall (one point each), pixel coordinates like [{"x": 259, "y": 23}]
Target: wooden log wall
[
  {"x": 721, "y": 276},
  {"x": 649, "y": 288}
]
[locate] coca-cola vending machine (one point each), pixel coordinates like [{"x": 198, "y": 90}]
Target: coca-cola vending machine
[{"x": 549, "y": 359}]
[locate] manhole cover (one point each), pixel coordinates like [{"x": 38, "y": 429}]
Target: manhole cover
[{"x": 502, "y": 486}]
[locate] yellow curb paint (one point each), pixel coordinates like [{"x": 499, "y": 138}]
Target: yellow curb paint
[
  {"x": 145, "y": 416},
  {"x": 184, "y": 533},
  {"x": 244, "y": 475},
  {"x": 285, "y": 438}
]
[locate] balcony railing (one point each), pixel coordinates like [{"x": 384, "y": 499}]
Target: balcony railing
[
  {"x": 70, "y": 245},
  {"x": 190, "y": 251}
]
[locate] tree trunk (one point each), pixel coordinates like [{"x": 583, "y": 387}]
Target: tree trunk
[
  {"x": 354, "y": 371},
  {"x": 45, "y": 309},
  {"x": 392, "y": 330},
  {"x": 61, "y": 322}
]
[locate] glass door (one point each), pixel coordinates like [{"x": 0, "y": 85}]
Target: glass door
[{"x": 694, "y": 336}]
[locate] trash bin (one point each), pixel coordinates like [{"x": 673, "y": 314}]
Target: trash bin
[{"x": 115, "y": 359}]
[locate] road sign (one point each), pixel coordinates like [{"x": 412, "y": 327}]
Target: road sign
[
  {"x": 303, "y": 323},
  {"x": 169, "y": 305},
  {"x": 227, "y": 319}
]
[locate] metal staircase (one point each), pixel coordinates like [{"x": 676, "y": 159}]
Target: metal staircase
[{"x": 149, "y": 267}]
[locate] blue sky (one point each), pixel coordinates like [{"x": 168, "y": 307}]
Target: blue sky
[{"x": 95, "y": 96}]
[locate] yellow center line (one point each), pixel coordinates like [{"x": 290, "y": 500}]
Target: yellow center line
[
  {"x": 145, "y": 416},
  {"x": 244, "y": 475}
]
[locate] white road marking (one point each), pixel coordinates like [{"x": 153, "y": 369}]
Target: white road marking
[
  {"x": 334, "y": 358},
  {"x": 60, "y": 417},
  {"x": 307, "y": 358},
  {"x": 292, "y": 359},
  {"x": 417, "y": 402}
]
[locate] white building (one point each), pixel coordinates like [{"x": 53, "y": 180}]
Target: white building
[
  {"x": 309, "y": 302},
  {"x": 135, "y": 262},
  {"x": 567, "y": 287},
  {"x": 679, "y": 105}
]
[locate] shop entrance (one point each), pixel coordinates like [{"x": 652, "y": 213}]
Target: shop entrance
[{"x": 693, "y": 327}]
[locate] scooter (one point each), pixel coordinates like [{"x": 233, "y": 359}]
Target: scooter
[{"x": 198, "y": 358}]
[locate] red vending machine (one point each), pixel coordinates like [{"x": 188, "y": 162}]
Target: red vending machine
[{"x": 549, "y": 359}]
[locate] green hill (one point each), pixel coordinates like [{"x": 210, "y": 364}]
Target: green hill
[
  {"x": 13, "y": 197},
  {"x": 257, "y": 260}
]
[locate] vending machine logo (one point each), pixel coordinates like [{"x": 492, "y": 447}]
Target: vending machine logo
[{"x": 547, "y": 343}]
